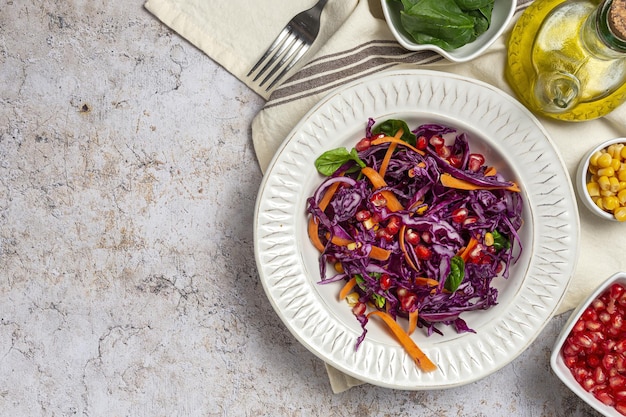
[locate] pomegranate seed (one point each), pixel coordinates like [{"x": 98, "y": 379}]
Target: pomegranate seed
[
  {"x": 393, "y": 226},
  {"x": 422, "y": 252},
  {"x": 455, "y": 161},
  {"x": 592, "y": 325},
  {"x": 384, "y": 235},
  {"x": 402, "y": 292},
  {"x": 598, "y": 305},
  {"x": 604, "y": 397},
  {"x": 620, "y": 396},
  {"x": 593, "y": 361},
  {"x": 459, "y": 215},
  {"x": 378, "y": 200},
  {"x": 621, "y": 407},
  {"x": 617, "y": 381},
  {"x": 599, "y": 376},
  {"x": 426, "y": 238},
  {"x": 412, "y": 237},
  {"x": 588, "y": 384},
  {"x": 363, "y": 145},
  {"x": 616, "y": 291},
  {"x": 385, "y": 282},
  {"x": 359, "y": 309},
  {"x": 475, "y": 161},
  {"x": 578, "y": 327},
  {"x": 620, "y": 364},
  {"x": 620, "y": 347},
  {"x": 422, "y": 143},
  {"x": 604, "y": 317},
  {"x": 408, "y": 301},
  {"x": 363, "y": 215},
  {"x": 583, "y": 340},
  {"x": 608, "y": 361},
  {"x": 443, "y": 151},
  {"x": 589, "y": 314},
  {"x": 617, "y": 321},
  {"x": 437, "y": 141},
  {"x": 470, "y": 220}
]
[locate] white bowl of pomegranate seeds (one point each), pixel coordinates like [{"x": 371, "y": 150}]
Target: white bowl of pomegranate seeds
[{"x": 590, "y": 353}]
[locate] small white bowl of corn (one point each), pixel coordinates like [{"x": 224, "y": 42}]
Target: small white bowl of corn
[{"x": 601, "y": 180}]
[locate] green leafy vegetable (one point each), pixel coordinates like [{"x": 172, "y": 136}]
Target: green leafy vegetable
[
  {"x": 456, "y": 275},
  {"x": 390, "y": 128},
  {"x": 500, "y": 241},
  {"x": 448, "y": 24},
  {"x": 330, "y": 161}
]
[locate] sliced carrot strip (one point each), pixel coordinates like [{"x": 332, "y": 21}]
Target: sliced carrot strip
[
  {"x": 314, "y": 237},
  {"x": 313, "y": 228},
  {"x": 377, "y": 252},
  {"x": 420, "y": 359},
  {"x": 465, "y": 253},
  {"x": 412, "y": 321},
  {"x": 449, "y": 181},
  {"x": 392, "y": 147},
  {"x": 391, "y": 139},
  {"x": 347, "y": 288},
  {"x": 490, "y": 172},
  {"x": 426, "y": 281},
  {"x": 378, "y": 182}
]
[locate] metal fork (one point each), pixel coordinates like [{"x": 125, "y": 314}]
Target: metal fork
[{"x": 290, "y": 45}]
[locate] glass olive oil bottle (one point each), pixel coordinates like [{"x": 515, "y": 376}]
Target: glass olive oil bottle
[{"x": 567, "y": 58}]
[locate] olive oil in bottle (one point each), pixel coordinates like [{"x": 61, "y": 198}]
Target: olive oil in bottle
[{"x": 567, "y": 58}]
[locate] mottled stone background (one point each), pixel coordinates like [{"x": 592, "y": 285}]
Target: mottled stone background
[{"x": 128, "y": 284}]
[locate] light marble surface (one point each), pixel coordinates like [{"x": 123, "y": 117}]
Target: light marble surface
[{"x": 127, "y": 278}]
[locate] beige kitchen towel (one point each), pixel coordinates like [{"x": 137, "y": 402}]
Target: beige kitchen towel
[{"x": 356, "y": 42}]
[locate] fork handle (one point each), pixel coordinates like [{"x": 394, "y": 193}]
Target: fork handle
[{"x": 319, "y": 5}]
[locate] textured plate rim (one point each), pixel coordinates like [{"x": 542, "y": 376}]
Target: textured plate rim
[{"x": 463, "y": 360}]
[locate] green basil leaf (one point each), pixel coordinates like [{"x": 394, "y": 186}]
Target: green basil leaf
[
  {"x": 500, "y": 241},
  {"x": 456, "y": 275},
  {"x": 330, "y": 161},
  {"x": 390, "y": 128}
]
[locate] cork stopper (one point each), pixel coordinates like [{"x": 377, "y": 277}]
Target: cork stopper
[{"x": 617, "y": 19}]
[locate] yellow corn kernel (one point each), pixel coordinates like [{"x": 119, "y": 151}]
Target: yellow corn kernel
[
  {"x": 622, "y": 153},
  {"x": 593, "y": 159},
  {"x": 604, "y": 160},
  {"x": 593, "y": 169},
  {"x": 338, "y": 267},
  {"x": 599, "y": 202},
  {"x": 593, "y": 189},
  {"x": 614, "y": 184},
  {"x": 616, "y": 164},
  {"x": 621, "y": 174},
  {"x": 620, "y": 214},
  {"x": 604, "y": 183},
  {"x": 621, "y": 196},
  {"x": 615, "y": 149},
  {"x": 422, "y": 209},
  {"x": 607, "y": 193},
  {"x": 352, "y": 299},
  {"x": 610, "y": 203},
  {"x": 608, "y": 172},
  {"x": 488, "y": 241},
  {"x": 622, "y": 185}
]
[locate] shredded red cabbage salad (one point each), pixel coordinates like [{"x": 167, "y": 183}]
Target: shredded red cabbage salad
[{"x": 416, "y": 245}]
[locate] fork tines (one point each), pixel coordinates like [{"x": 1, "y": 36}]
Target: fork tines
[{"x": 289, "y": 48}]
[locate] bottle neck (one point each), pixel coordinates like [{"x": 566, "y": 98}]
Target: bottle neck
[{"x": 597, "y": 34}]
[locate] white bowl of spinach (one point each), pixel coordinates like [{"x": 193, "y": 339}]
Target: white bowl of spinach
[{"x": 459, "y": 30}]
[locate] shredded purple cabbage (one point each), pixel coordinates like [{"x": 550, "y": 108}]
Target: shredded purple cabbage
[{"x": 429, "y": 213}]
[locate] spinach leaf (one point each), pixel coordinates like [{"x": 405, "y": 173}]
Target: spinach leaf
[
  {"x": 448, "y": 24},
  {"x": 330, "y": 161},
  {"x": 456, "y": 275},
  {"x": 390, "y": 128}
]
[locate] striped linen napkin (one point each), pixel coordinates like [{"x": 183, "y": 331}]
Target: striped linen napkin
[{"x": 355, "y": 42}]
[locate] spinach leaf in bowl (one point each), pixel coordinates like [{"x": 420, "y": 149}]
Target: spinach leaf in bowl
[{"x": 448, "y": 24}]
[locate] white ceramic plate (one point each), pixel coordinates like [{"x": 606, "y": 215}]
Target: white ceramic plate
[{"x": 510, "y": 138}]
